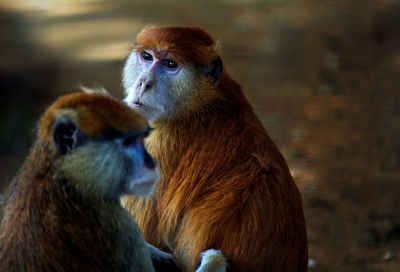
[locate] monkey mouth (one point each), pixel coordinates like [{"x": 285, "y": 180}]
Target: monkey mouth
[
  {"x": 137, "y": 103},
  {"x": 134, "y": 103},
  {"x": 143, "y": 185},
  {"x": 147, "y": 186}
]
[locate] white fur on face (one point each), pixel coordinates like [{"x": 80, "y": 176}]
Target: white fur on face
[{"x": 168, "y": 95}]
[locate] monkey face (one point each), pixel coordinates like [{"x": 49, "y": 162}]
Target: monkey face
[
  {"x": 156, "y": 85},
  {"x": 97, "y": 145},
  {"x": 139, "y": 165},
  {"x": 105, "y": 166},
  {"x": 171, "y": 71}
]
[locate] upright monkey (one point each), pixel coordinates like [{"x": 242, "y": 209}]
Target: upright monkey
[
  {"x": 224, "y": 184},
  {"x": 64, "y": 213}
]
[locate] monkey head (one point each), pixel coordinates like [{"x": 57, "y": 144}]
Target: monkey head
[
  {"x": 97, "y": 144},
  {"x": 171, "y": 70}
]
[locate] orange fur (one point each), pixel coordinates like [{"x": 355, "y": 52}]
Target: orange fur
[
  {"x": 96, "y": 114},
  {"x": 224, "y": 185},
  {"x": 187, "y": 45}
]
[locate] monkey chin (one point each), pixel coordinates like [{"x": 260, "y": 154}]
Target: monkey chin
[
  {"x": 147, "y": 111},
  {"x": 143, "y": 185}
]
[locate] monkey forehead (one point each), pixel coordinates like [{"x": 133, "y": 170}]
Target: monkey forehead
[
  {"x": 186, "y": 44},
  {"x": 165, "y": 54},
  {"x": 94, "y": 114}
]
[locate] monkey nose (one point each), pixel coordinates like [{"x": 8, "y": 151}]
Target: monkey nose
[{"x": 145, "y": 85}]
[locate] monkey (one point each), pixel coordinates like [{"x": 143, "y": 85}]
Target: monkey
[
  {"x": 64, "y": 212},
  {"x": 224, "y": 183}
]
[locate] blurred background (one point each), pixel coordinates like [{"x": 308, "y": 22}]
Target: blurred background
[{"x": 323, "y": 76}]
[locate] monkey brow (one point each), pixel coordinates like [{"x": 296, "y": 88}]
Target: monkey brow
[{"x": 159, "y": 53}]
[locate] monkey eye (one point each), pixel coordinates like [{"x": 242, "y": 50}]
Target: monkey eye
[
  {"x": 146, "y": 56},
  {"x": 170, "y": 64}
]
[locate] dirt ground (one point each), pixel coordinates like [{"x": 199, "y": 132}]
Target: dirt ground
[{"x": 323, "y": 76}]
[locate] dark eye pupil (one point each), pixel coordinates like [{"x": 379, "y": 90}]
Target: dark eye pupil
[
  {"x": 146, "y": 56},
  {"x": 170, "y": 64}
]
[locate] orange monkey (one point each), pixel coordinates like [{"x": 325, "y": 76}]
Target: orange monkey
[{"x": 224, "y": 184}]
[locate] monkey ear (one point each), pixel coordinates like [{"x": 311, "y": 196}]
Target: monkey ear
[
  {"x": 65, "y": 135},
  {"x": 214, "y": 70}
]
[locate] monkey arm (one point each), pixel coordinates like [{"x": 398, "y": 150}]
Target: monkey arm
[
  {"x": 145, "y": 214},
  {"x": 243, "y": 229}
]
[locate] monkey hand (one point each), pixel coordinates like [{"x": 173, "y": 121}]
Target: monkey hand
[{"x": 212, "y": 261}]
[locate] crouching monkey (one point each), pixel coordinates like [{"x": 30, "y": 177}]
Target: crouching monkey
[{"x": 64, "y": 211}]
